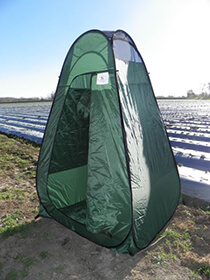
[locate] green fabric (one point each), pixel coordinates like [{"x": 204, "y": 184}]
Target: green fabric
[
  {"x": 108, "y": 193},
  {"x": 67, "y": 187},
  {"x": 42, "y": 212},
  {"x": 77, "y": 211},
  {"x": 154, "y": 179},
  {"x": 71, "y": 141}
]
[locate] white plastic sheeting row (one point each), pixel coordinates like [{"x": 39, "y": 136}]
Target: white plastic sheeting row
[
  {"x": 188, "y": 126},
  {"x": 187, "y": 123}
]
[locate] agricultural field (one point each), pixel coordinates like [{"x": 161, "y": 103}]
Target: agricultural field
[
  {"x": 187, "y": 123},
  {"x": 44, "y": 249},
  {"x": 188, "y": 127},
  {"x": 25, "y": 120}
]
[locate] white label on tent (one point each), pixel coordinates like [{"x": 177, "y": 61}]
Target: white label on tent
[{"x": 102, "y": 78}]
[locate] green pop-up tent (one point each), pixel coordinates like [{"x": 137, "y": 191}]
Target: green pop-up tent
[{"x": 106, "y": 169}]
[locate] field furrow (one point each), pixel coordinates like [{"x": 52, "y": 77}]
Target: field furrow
[{"x": 188, "y": 127}]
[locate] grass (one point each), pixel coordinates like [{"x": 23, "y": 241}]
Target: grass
[
  {"x": 27, "y": 262},
  {"x": 172, "y": 233},
  {"x": 14, "y": 227},
  {"x": 205, "y": 270},
  {"x": 180, "y": 238},
  {"x": 11, "y": 226},
  {"x": 176, "y": 242},
  {"x": 12, "y": 275},
  {"x": 206, "y": 212},
  {"x": 161, "y": 257},
  {"x": 18, "y": 198},
  {"x": 180, "y": 241},
  {"x": 59, "y": 268},
  {"x": 16, "y": 155},
  {"x": 43, "y": 255},
  {"x": 10, "y": 223},
  {"x": 13, "y": 194},
  {"x": 47, "y": 235},
  {"x": 24, "y": 273},
  {"x": 20, "y": 228}
]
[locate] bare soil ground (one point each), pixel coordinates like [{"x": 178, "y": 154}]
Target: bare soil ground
[{"x": 44, "y": 249}]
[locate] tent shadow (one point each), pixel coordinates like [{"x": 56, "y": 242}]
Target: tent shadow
[{"x": 60, "y": 253}]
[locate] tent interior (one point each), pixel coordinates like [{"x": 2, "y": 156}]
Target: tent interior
[{"x": 68, "y": 173}]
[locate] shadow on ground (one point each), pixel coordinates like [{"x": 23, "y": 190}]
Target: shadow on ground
[{"x": 50, "y": 251}]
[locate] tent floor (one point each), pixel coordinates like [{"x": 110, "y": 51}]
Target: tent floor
[{"x": 76, "y": 212}]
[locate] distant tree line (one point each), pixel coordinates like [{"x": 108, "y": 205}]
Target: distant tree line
[
  {"x": 22, "y": 99},
  {"x": 205, "y": 92}
]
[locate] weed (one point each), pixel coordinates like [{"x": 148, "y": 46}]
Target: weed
[
  {"x": 134, "y": 272},
  {"x": 185, "y": 245},
  {"x": 195, "y": 273},
  {"x": 172, "y": 233},
  {"x": 19, "y": 179},
  {"x": 41, "y": 276},
  {"x": 32, "y": 196},
  {"x": 47, "y": 235},
  {"x": 59, "y": 268},
  {"x": 12, "y": 194},
  {"x": 6, "y": 158},
  {"x": 24, "y": 273},
  {"x": 172, "y": 256},
  {"x": 186, "y": 234},
  {"x": 23, "y": 229},
  {"x": 161, "y": 257},
  {"x": 11, "y": 226},
  {"x": 204, "y": 270},
  {"x": 6, "y": 232},
  {"x": 176, "y": 235},
  {"x": 10, "y": 220},
  {"x": 187, "y": 212},
  {"x": 12, "y": 275},
  {"x": 6, "y": 194},
  {"x": 43, "y": 254},
  {"x": 164, "y": 256},
  {"x": 1, "y": 265},
  {"x": 206, "y": 212},
  {"x": 21, "y": 162},
  {"x": 180, "y": 240},
  {"x": 26, "y": 261},
  {"x": 20, "y": 194}
]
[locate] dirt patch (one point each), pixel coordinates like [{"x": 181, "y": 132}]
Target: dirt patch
[{"x": 46, "y": 250}]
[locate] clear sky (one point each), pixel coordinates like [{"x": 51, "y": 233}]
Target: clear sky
[{"x": 171, "y": 35}]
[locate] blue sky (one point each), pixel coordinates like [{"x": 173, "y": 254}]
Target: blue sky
[{"x": 172, "y": 36}]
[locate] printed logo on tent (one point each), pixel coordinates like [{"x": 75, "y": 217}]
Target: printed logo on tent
[{"x": 102, "y": 78}]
